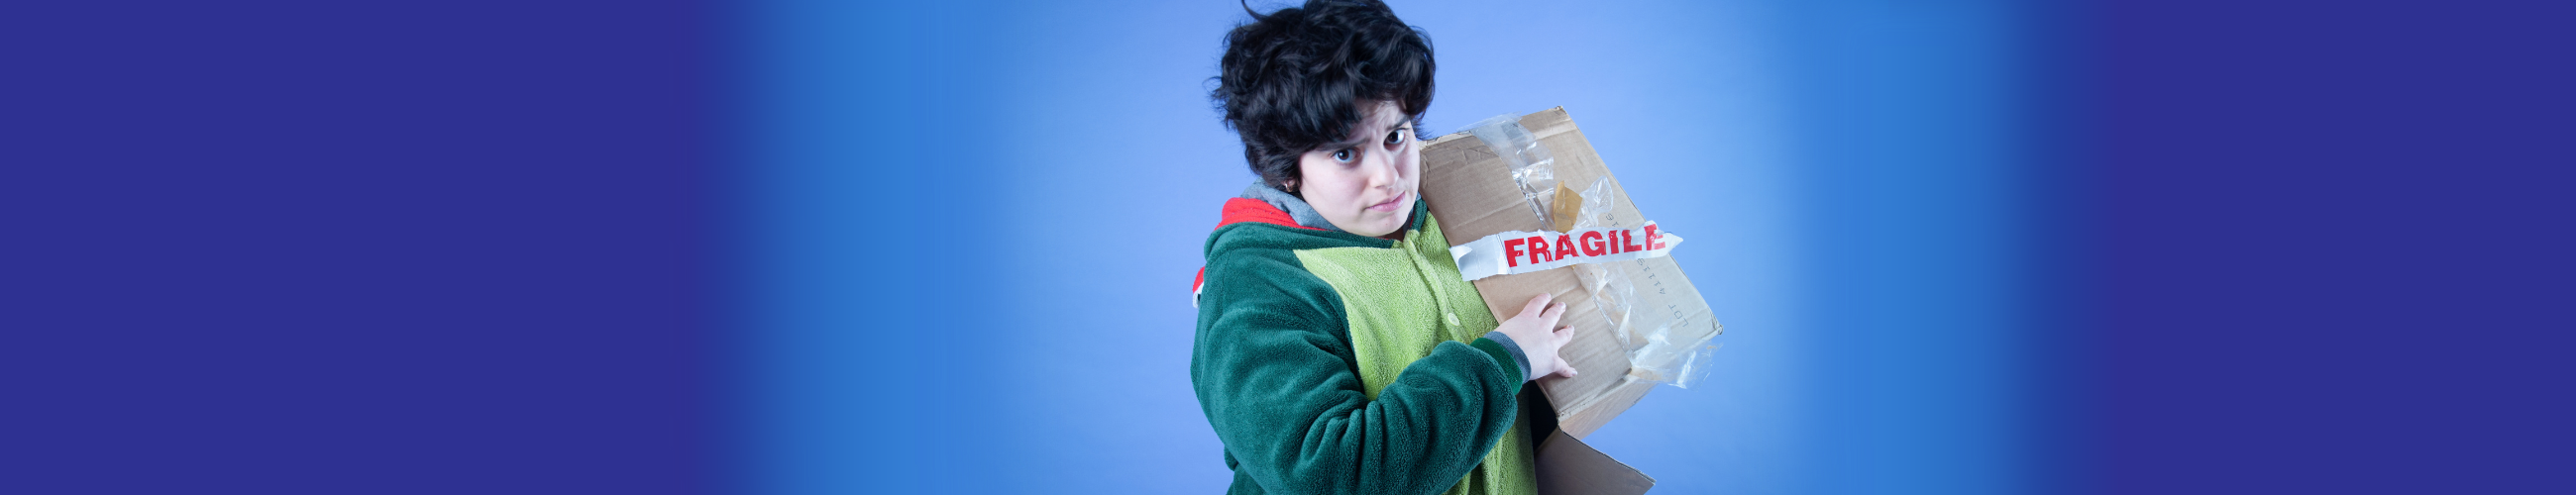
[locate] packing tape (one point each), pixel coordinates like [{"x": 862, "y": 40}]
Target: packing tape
[{"x": 1518, "y": 251}]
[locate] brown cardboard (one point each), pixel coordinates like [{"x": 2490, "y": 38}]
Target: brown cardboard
[
  {"x": 1470, "y": 190},
  {"x": 1568, "y": 205},
  {"x": 1566, "y": 467}
]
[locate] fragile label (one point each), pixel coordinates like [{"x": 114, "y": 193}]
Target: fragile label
[{"x": 1518, "y": 252}]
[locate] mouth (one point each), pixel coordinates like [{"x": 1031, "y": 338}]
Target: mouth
[{"x": 1390, "y": 203}]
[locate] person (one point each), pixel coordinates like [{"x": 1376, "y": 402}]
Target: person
[{"x": 1338, "y": 350}]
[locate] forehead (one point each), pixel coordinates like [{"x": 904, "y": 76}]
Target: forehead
[
  {"x": 1376, "y": 118},
  {"x": 1381, "y": 113}
]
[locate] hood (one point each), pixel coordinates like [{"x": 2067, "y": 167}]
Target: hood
[
  {"x": 1262, "y": 204},
  {"x": 1299, "y": 213}
]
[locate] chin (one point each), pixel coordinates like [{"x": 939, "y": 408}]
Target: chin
[{"x": 1392, "y": 223}]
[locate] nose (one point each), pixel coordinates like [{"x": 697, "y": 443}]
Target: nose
[{"x": 1379, "y": 164}]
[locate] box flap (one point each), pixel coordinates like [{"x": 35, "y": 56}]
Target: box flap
[{"x": 1568, "y": 467}]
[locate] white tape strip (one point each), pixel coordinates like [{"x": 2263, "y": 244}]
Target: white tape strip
[{"x": 1523, "y": 252}]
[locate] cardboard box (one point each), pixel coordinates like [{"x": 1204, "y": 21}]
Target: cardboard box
[{"x": 1470, "y": 190}]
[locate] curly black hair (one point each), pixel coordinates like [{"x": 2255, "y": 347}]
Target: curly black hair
[{"x": 1297, "y": 78}]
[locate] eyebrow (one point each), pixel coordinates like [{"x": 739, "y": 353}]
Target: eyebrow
[{"x": 1353, "y": 143}]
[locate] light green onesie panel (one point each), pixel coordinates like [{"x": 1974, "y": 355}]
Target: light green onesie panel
[{"x": 1403, "y": 301}]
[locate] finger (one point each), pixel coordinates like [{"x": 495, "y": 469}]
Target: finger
[
  {"x": 1535, "y": 304},
  {"x": 1565, "y": 369},
  {"x": 1564, "y": 334},
  {"x": 1553, "y": 310}
]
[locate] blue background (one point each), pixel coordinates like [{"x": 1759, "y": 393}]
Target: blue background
[
  {"x": 675, "y": 247},
  {"x": 1855, "y": 174}
]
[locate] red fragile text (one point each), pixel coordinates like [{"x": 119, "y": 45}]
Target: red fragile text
[{"x": 1580, "y": 244}]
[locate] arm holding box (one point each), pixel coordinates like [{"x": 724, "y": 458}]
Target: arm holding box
[{"x": 1275, "y": 373}]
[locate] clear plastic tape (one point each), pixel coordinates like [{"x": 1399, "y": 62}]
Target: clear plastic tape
[
  {"x": 1533, "y": 167},
  {"x": 1652, "y": 355},
  {"x": 1683, "y": 368},
  {"x": 1663, "y": 360},
  {"x": 1648, "y": 337},
  {"x": 1609, "y": 286}
]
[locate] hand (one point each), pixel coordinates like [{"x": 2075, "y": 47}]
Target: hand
[{"x": 1535, "y": 331}]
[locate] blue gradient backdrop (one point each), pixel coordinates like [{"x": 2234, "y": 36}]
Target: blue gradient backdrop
[
  {"x": 812, "y": 247},
  {"x": 1856, "y": 175}
]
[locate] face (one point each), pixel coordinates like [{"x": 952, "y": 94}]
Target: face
[{"x": 1365, "y": 184}]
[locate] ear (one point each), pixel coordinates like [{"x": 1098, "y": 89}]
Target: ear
[{"x": 1289, "y": 185}]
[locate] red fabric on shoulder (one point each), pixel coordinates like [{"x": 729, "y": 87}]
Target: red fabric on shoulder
[{"x": 1239, "y": 210}]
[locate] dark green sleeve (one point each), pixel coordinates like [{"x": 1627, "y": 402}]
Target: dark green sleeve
[{"x": 1276, "y": 377}]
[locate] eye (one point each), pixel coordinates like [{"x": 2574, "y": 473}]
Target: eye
[
  {"x": 1395, "y": 138},
  {"x": 1342, "y": 155}
]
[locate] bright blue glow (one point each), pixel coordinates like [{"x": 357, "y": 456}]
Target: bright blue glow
[
  {"x": 1908, "y": 189},
  {"x": 1846, "y": 171}
]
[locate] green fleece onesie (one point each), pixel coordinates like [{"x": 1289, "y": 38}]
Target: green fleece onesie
[{"x": 1330, "y": 362}]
